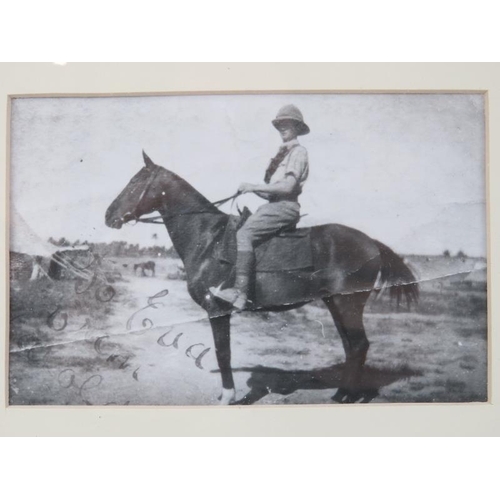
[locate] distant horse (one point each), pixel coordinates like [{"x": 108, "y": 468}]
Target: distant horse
[
  {"x": 346, "y": 266},
  {"x": 145, "y": 266}
]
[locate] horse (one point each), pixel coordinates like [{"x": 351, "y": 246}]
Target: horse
[
  {"x": 351, "y": 266},
  {"x": 145, "y": 266}
]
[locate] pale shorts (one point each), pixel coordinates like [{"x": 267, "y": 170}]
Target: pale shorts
[{"x": 268, "y": 220}]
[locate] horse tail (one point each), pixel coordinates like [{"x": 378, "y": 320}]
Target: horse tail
[{"x": 396, "y": 275}]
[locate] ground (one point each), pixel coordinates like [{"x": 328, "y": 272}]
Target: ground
[{"x": 96, "y": 348}]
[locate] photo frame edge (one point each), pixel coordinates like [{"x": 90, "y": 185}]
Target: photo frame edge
[{"x": 264, "y": 420}]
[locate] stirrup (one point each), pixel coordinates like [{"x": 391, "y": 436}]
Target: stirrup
[{"x": 232, "y": 296}]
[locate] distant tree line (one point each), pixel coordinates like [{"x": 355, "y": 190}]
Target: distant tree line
[
  {"x": 120, "y": 248},
  {"x": 460, "y": 254}
]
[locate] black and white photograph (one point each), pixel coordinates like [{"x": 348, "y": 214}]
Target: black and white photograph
[{"x": 248, "y": 249}]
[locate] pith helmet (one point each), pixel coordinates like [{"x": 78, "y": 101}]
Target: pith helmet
[{"x": 291, "y": 112}]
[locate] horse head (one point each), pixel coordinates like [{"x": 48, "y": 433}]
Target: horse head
[
  {"x": 141, "y": 196},
  {"x": 152, "y": 189}
]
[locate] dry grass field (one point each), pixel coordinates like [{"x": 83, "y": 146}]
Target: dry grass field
[{"x": 69, "y": 348}]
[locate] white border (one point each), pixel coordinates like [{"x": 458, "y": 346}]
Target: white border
[{"x": 359, "y": 420}]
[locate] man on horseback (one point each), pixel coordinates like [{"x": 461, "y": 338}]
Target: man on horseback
[{"x": 285, "y": 176}]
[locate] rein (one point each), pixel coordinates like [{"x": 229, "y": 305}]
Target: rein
[
  {"x": 229, "y": 198},
  {"x": 158, "y": 219}
]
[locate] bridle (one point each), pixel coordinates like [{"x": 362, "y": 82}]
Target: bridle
[{"x": 143, "y": 194}]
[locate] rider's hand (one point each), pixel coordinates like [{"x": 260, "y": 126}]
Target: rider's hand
[{"x": 245, "y": 187}]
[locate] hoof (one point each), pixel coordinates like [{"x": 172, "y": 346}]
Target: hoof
[
  {"x": 227, "y": 397},
  {"x": 345, "y": 396},
  {"x": 340, "y": 396},
  {"x": 368, "y": 395}
]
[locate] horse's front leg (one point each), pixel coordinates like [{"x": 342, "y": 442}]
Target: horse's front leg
[{"x": 221, "y": 330}]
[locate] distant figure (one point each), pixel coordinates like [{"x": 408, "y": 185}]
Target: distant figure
[
  {"x": 38, "y": 271},
  {"x": 143, "y": 266},
  {"x": 55, "y": 267}
]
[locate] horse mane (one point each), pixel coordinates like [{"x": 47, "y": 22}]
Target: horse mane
[{"x": 189, "y": 194}]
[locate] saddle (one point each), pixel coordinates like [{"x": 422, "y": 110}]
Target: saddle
[
  {"x": 289, "y": 250},
  {"x": 284, "y": 272}
]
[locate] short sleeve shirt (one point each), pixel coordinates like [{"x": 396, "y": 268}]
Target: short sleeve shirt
[{"x": 296, "y": 164}]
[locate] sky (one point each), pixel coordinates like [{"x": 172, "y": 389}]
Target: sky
[{"x": 406, "y": 169}]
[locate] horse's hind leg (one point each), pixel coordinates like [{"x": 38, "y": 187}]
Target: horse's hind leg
[
  {"x": 221, "y": 329},
  {"x": 347, "y": 313}
]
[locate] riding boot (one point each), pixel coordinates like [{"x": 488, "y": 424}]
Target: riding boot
[{"x": 238, "y": 295}]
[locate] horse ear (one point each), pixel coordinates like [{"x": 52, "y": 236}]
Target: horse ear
[{"x": 147, "y": 159}]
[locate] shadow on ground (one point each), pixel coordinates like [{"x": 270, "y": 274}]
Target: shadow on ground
[{"x": 266, "y": 380}]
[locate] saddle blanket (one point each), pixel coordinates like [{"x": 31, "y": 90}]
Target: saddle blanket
[{"x": 288, "y": 251}]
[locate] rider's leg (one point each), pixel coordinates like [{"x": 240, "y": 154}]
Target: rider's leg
[
  {"x": 238, "y": 294},
  {"x": 263, "y": 224}
]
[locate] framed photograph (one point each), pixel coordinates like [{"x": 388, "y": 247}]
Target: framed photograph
[{"x": 316, "y": 253}]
